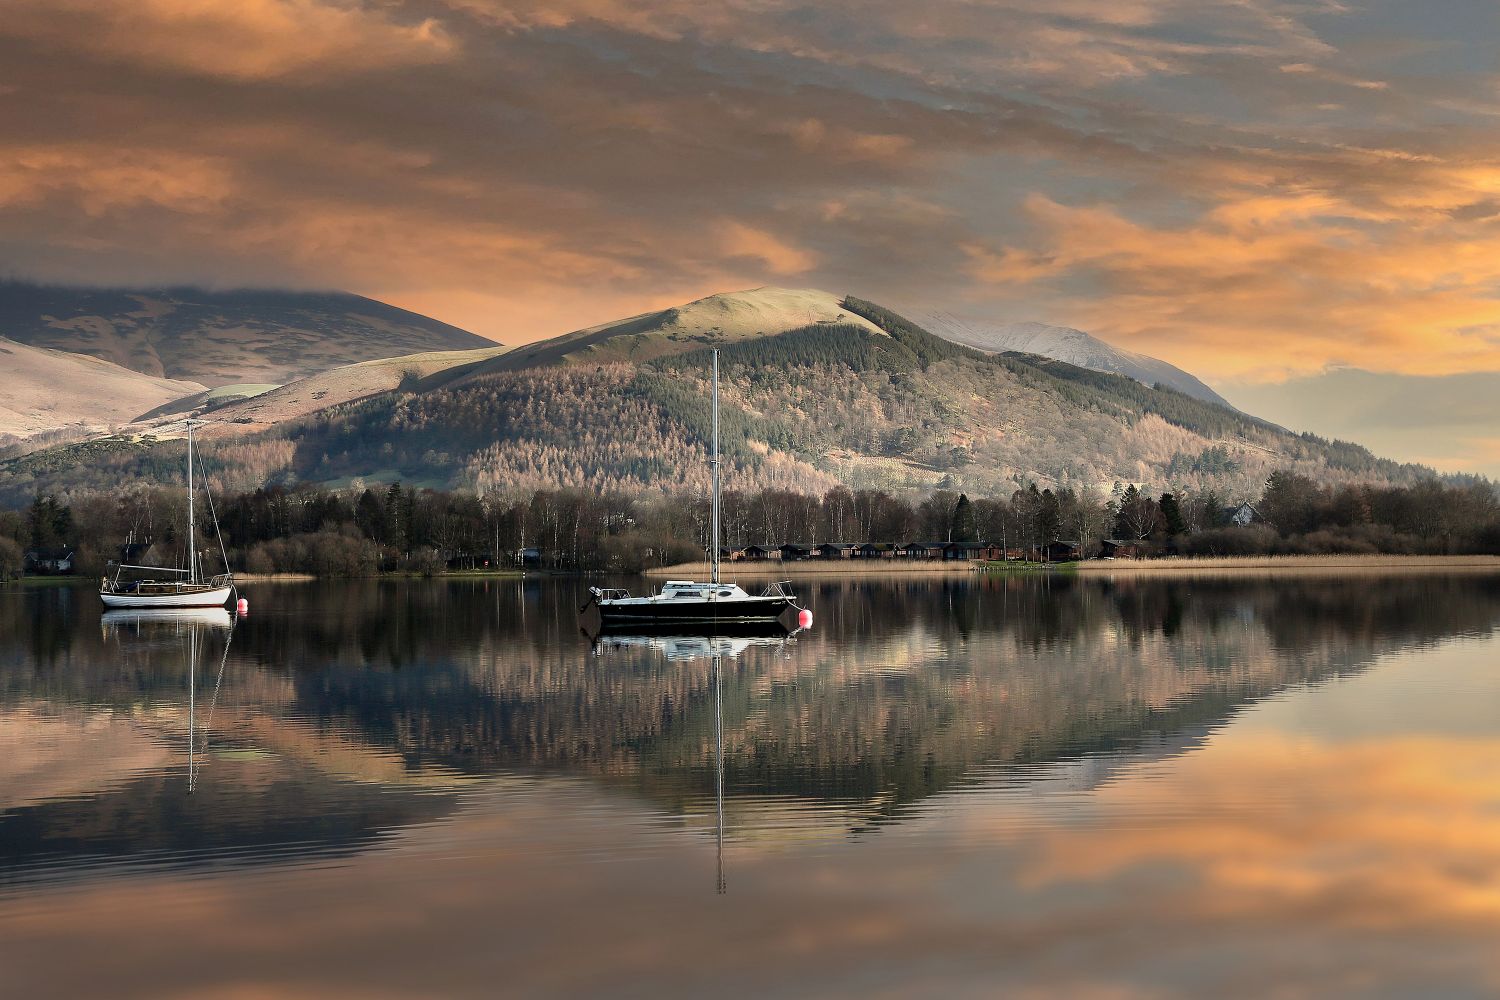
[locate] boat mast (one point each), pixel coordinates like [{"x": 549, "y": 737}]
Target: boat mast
[
  {"x": 714, "y": 512},
  {"x": 192, "y": 543}
]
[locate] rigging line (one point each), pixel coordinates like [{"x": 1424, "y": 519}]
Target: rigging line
[
  {"x": 209, "y": 493},
  {"x": 214, "y": 701}
]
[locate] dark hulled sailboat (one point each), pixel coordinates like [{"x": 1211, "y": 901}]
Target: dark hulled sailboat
[{"x": 687, "y": 602}]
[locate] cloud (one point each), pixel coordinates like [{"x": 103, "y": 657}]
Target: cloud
[
  {"x": 740, "y": 240},
  {"x": 96, "y": 180},
  {"x": 1447, "y": 422},
  {"x": 1267, "y": 285},
  {"x": 1248, "y": 187},
  {"x": 245, "y": 39}
]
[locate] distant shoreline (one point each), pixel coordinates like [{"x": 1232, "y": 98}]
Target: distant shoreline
[
  {"x": 1225, "y": 565},
  {"x": 1270, "y": 565}
]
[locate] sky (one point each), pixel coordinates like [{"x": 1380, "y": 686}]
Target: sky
[{"x": 1267, "y": 193}]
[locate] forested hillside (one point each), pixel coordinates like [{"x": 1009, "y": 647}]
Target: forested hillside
[{"x": 862, "y": 396}]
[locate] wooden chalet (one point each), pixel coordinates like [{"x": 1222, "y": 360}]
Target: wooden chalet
[
  {"x": 1121, "y": 548},
  {"x": 760, "y": 553},
  {"x": 1061, "y": 550},
  {"x": 837, "y": 550},
  {"x": 793, "y": 551},
  {"x": 49, "y": 560},
  {"x": 923, "y": 550},
  {"x": 879, "y": 550}
]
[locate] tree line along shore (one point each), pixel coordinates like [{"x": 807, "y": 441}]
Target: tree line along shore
[{"x": 399, "y": 528}]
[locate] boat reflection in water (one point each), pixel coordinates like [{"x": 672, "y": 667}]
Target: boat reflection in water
[
  {"x": 729, "y": 641},
  {"x": 192, "y": 627}
]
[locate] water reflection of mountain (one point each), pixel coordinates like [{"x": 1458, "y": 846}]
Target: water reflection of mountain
[{"x": 901, "y": 691}]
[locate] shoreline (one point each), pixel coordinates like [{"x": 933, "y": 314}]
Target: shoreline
[
  {"x": 1273, "y": 565},
  {"x": 870, "y": 569},
  {"x": 1220, "y": 565}
]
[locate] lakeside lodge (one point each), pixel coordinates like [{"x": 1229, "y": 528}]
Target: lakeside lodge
[{"x": 1054, "y": 551}]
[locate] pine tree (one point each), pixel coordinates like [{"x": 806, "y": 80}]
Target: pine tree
[
  {"x": 1171, "y": 515},
  {"x": 965, "y": 529}
]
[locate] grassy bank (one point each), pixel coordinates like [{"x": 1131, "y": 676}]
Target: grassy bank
[{"x": 1017, "y": 566}]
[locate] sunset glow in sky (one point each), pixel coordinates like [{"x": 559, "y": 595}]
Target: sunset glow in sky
[{"x": 1255, "y": 190}]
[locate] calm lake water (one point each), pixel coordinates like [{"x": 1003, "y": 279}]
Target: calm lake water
[{"x": 1023, "y": 787}]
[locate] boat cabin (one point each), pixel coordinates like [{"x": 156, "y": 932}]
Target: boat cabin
[{"x": 689, "y": 590}]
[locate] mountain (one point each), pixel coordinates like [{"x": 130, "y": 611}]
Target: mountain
[
  {"x": 58, "y": 393},
  {"x": 219, "y": 337},
  {"x": 1064, "y": 343},
  {"x": 844, "y": 392}
]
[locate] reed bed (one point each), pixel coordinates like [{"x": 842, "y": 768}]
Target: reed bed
[{"x": 1336, "y": 565}]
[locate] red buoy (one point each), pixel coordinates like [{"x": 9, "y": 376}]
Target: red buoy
[
  {"x": 242, "y": 606},
  {"x": 804, "y": 618}
]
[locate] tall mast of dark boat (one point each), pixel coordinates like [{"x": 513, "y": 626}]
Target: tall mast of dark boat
[
  {"x": 714, "y": 511},
  {"x": 192, "y": 542}
]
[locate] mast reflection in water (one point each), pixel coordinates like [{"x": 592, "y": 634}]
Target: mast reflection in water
[{"x": 713, "y": 648}]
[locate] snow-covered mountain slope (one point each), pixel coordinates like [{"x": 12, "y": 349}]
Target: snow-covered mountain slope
[{"x": 1066, "y": 344}]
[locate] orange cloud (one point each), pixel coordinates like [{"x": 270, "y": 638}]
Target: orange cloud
[
  {"x": 100, "y": 179},
  {"x": 780, "y": 258},
  {"x": 1271, "y": 284},
  {"x": 246, "y": 39}
]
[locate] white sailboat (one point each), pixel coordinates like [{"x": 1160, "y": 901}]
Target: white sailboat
[
  {"x": 687, "y": 602},
  {"x": 184, "y": 588}
]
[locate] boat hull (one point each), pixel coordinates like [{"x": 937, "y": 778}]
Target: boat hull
[
  {"x": 210, "y": 598},
  {"x": 755, "y": 609},
  {"x": 699, "y": 617}
]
